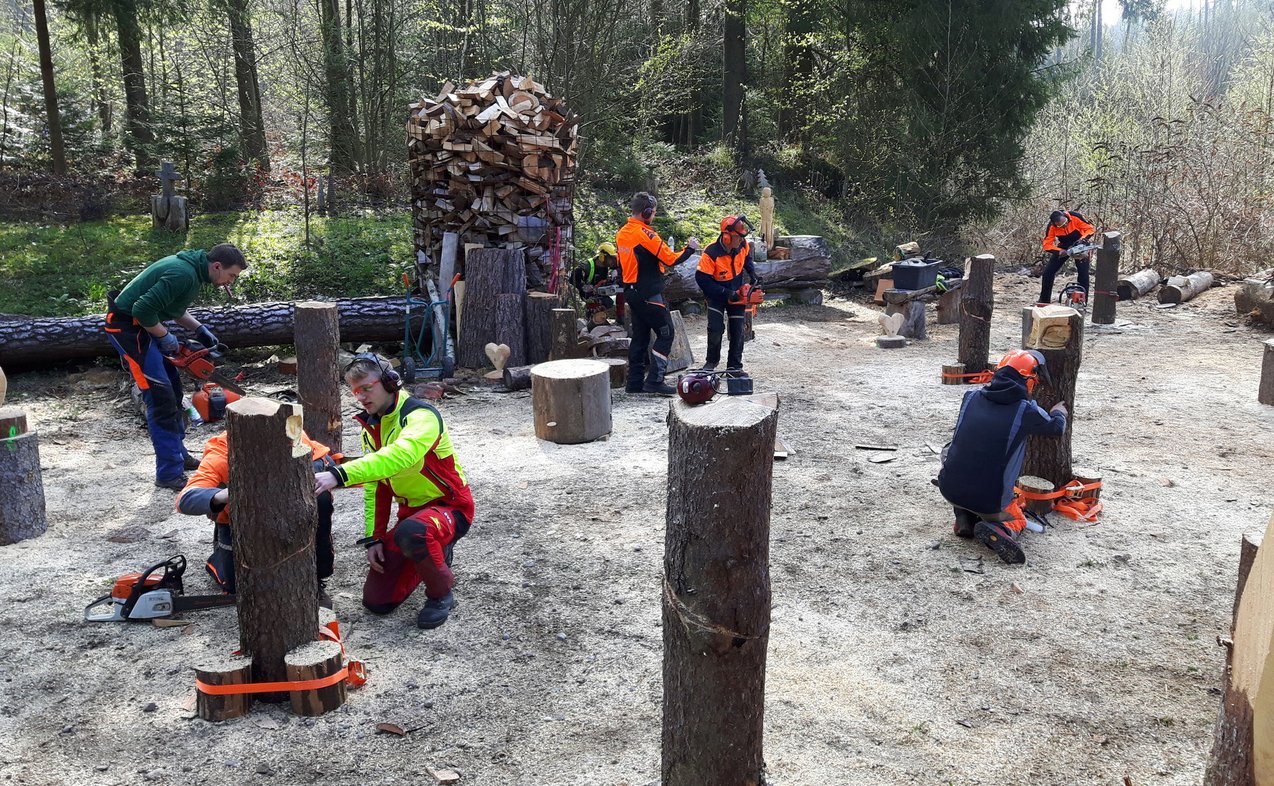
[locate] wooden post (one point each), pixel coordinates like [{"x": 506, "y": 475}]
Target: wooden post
[
  {"x": 22, "y": 511},
  {"x": 565, "y": 335},
  {"x": 570, "y": 400},
  {"x": 488, "y": 272},
  {"x": 223, "y": 670},
  {"x": 1138, "y": 284},
  {"x": 447, "y": 262},
  {"x": 273, "y": 509},
  {"x": 716, "y": 595},
  {"x": 1058, "y": 333},
  {"x": 314, "y": 661},
  {"x": 1105, "y": 279},
  {"x": 977, "y": 301},
  {"x": 510, "y": 325},
  {"x": 1265, "y": 393},
  {"x": 539, "y": 326},
  {"x": 318, "y": 376}
]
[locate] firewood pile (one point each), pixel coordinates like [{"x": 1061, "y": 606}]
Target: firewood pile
[{"x": 495, "y": 162}]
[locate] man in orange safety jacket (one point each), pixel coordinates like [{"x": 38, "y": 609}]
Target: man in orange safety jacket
[
  {"x": 1066, "y": 228},
  {"x": 720, "y": 275}
]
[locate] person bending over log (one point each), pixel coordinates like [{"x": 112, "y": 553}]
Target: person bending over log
[
  {"x": 598, "y": 271},
  {"x": 1066, "y": 229},
  {"x": 408, "y": 457},
  {"x": 207, "y": 494},
  {"x": 720, "y": 275},
  {"x": 643, "y": 259},
  {"x": 984, "y": 459},
  {"x": 135, "y": 326}
]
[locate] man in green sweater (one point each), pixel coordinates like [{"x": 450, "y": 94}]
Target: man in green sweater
[{"x": 135, "y": 326}]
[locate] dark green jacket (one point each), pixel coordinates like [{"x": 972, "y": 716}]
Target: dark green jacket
[{"x": 165, "y": 289}]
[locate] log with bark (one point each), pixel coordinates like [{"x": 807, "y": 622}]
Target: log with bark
[
  {"x": 1104, "y": 279},
  {"x": 539, "y": 325},
  {"x": 318, "y": 375},
  {"x": 313, "y": 661},
  {"x": 570, "y": 400},
  {"x": 1265, "y": 393},
  {"x": 1060, "y": 338},
  {"x": 977, "y": 301},
  {"x": 1180, "y": 289},
  {"x": 223, "y": 670},
  {"x": 22, "y": 509},
  {"x": 488, "y": 273},
  {"x": 806, "y": 270},
  {"x": 27, "y": 341},
  {"x": 1138, "y": 284}
]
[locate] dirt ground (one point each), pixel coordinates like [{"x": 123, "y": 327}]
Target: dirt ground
[{"x": 898, "y": 653}]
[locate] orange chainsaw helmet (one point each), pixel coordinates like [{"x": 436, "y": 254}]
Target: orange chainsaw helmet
[
  {"x": 696, "y": 387},
  {"x": 1029, "y": 363},
  {"x": 737, "y": 224}
]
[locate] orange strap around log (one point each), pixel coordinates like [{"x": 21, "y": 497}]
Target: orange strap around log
[
  {"x": 354, "y": 672},
  {"x": 1068, "y": 502},
  {"x": 1085, "y": 509},
  {"x": 977, "y": 378}
]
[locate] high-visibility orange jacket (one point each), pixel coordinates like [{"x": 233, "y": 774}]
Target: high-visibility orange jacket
[
  {"x": 644, "y": 257},
  {"x": 1063, "y": 237},
  {"x": 214, "y": 473},
  {"x": 723, "y": 264}
]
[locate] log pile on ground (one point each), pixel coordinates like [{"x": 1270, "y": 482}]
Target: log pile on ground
[{"x": 493, "y": 161}]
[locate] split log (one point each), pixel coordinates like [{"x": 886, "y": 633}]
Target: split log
[
  {"x": 716, "y": 598},
  {"x": 1104, "y": 279},
  {"x": 951, "y": 374},
  {"x": 1062, "y": 345},
  {"x": 26, "y": 341},
  {"x": 565, "y": 334},
  {"x": 1265, "y": 393},
  {"x": 488, "y": 273},
  {"x": 1138, "y": 284},
  {"x": 570, "y": 400},
  {"x": 517, "y": 377},
  {"x": 977, "y": 301},
  {"x": 1180, "y": 289},
  {"x": 22, "y": 510},
  {"x": 318, "y": 373},
  {"x": 444, "y": 349},
  {"x": 680, "y": 356},
  {"x": 539, "y": 325},
  {"x": 510, "y": 325},
  {"x": 273, "y": 508},
  {"x": 447, "y": 262},
  {"x": 1033, "y": 485},
  {"x": 800, "y": 272},
  {"x": 314, "y": 661},
  {"x": 223, "y": 670}
]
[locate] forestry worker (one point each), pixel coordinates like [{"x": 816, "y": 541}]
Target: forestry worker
[
  {"x": 720, "y": 277},
  {"x": 1066, "y": 229},
  {"x": 407, "y": 459}
]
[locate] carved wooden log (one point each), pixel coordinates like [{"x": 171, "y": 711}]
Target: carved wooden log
[
  {"x": 313, "y": 661},
  {"x": 570, "y": 400},
  {"x": 22, "y": 510},
  {"x": 977, "y": 302},
  {"x": 318, "y": 376},
  {"x": 1062, "y": 344},
  {"x": 517, "y": 377},
  {"x": 40, "y": 340},
  {"x": 716, "y": 599},
  {"x": 1138, "y": 284},
  {"x": 1033, "y": 485},
  {"x": 1180, "y": 289},
  {"x": 1104, "y": 278},
  {"x": 539, "y": 325},
  {"x": 223, "y": 670},
  {"x": 1265, "y": 393}
]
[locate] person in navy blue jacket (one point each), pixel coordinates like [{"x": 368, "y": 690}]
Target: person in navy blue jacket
[{"x": 986, "y": 453}]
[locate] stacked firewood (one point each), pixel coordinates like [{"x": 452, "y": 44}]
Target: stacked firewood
[{"x": 495, "y": 162}]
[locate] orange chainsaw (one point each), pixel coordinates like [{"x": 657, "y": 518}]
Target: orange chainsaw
[
  {"x": 197, "y": 361},
  {"x": 154, "y": 593},
  {"x": 749, "y": 295}
]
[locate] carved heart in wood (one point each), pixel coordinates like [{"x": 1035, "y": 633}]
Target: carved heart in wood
[
  {"x": 891, "y": 323},
  {"x": 498, "y": 354}
]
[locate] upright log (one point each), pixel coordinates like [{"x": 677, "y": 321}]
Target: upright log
[
  {"x": 488, "y": 273},
  {"x": 570, "y": 400},
  {"x": 314, "y": 661},
  {"x": 1138, "y": 284},
  {"x": 510, "y": 325},
  {"x": 681, "y": 356},
  {"x": 4, "y": 387},
  {"x": 565, "y": 335},
  {"x": 1058, "y": 333},
  {"x": 22, "y": 512},
  {"x": 273, "y": 508},
  {"x": 318, "y": 375},
  {"x": 539, "y": 325},
  {"x": 1180, "y": 289},
  {"x": 949, "y": 307},
  {"x": 716, "y": 595},
  {"x": 1265, "y": 393},
  {"x": 223, "y": 670},
  {"x": 977, "y": 301},
  {"x": 1105, "y": 278}
]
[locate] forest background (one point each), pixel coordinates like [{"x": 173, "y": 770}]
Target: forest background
[{"x": 959, "y": 123}]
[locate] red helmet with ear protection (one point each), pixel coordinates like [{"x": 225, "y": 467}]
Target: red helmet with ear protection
[
  {"x": 696, "y": 387},
  {"x": 1029, "y": 363}
]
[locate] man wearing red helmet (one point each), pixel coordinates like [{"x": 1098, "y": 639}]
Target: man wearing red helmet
[
  {"x": 986, "y": 453},
  {"x": 720, "y": 274}
]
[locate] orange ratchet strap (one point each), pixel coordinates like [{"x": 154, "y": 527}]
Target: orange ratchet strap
[
  {"x": 1068, "y": 502},
  {"x": 354, "y": 672},
  {"x": 978, "y": 378}
]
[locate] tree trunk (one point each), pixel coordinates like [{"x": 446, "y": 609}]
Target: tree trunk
[
  {"x": 1138, "y": 284},
  {"x": 100, "y": 99},
  {"x": 1105, "y": 277},
  {"x": 570, "y": 400},
  {"x": 539, "y": 325},
  {"x": 252, "y": 126},
  {"x": 1265, "y": 393},
  {"x": 735, "y": 74},
  {"x": 138, "y": 136},
  {"x": 716, "y": 598},
  {"x": 510, "y": 325},
  {"x": 50, "y": 90},
  {"x": 488, "y": 272},
  {"x": 1180, "y": 289},
  {"x": 318, "y": 375},
  {"x": 1063, "y": 349},
  {"x": 801, "y": 23},
  {"x": 341, "y": 134},
  {"x": 806, "y": 272},
  {"x": 22, "y": 511},
  {"x": 272, "y": 505},
  {"x": 977, "y": 302},
  {"x": 37, "y": 340}
]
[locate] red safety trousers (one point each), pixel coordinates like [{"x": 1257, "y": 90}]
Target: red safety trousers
[{"x": 417, "y": 548}]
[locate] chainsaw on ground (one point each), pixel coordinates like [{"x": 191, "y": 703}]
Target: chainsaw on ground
[
  {"x": 154, "y": 593},
  {"x": 1073, "y": 295},
  {"x": 200, "y": 362}
]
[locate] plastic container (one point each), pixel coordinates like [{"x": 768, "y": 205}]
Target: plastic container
[{"x": 915, "y": 274}]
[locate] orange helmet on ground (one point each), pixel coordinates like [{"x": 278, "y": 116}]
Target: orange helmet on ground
[
  {"x": 737, "y": 224},
  {"x": 1027, "y": 362}
]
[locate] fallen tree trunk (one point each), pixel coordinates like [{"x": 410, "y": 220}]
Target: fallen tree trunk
[
  {"x": 1179, "y": 289},
  {"x": 1138, "y": 284},
  {"x": 803, "y": 272},
  {"x": 26, "y": 341}
]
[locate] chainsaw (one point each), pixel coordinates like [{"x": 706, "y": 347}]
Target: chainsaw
[
  {"x": 197, "y": 361},
  {"x": 749, "y": 295},
  {"x": 1081, "y": 248},
  {"x": 154, "y": 593},
  {"x": 1073, "y": 295}
]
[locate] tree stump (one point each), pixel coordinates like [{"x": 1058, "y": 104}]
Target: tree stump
[
  {"x": 510, "y": 326},
  {"x": 571, "y": 400},
  {"x": 314, "y": 661},
  {"x": 618, "y": 370},
  {"x": 1105, "y": 278},
  {"x": 273, "y": 508},
  {"x": 539, "y": 326},
  {"x": 488, "y": 273},
  {"x": 1086, "y": 476},
  {"x": 318, "y": 372},
  {"x": 949, "y": 307},
  {"x": 1050, "y": 457},
  {"x": 565, "y": 335},
  {"x": 952, "y": 374},
  {"x": 1138, "y": 284},
  {"x": 1265, "y": 393},
  {"x": 681, "y": 356},
  {"x": 1034, "y": 485},
  {"x": 223, "y": 670},
  {"x": 977, "y": 301},
  {"x": 716, "y": 599},
  {"x": 169, "y": 213},
  {"x": 22, "y": 510},
  {"x": 517, "y": 377},
  {"x": 1180, "y": 289}
]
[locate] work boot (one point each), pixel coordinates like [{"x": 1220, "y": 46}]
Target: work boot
[
  {"x": 997, "y": 538},
  {"x": 964, "y": 525},
  {"x": 176, "y": 484},
  {"x": 655, "y": 378},
  {"x": 324, "y": 599},
  {"x": 435, "y": 612},
  {"x": 713, "y": 355},
  {"x": 189, "y": 462},
  {"x": 709, "y": 367}
]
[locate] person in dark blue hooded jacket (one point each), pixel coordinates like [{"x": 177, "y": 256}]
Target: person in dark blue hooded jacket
[{"x": 987, "y": 451}]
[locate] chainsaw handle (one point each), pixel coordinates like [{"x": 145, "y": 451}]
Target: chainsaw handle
[{"x": 174, "y": 568}]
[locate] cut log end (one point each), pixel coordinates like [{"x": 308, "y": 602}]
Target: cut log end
[
  {"x": 724, "y": 412},
  {"x": 223, "y": 670},
  {"x": 311, "y": 661},
  {"x": 953, "y": 374}
]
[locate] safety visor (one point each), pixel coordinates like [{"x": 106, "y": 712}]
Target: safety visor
[
  {"x": 740, "y": 227},
  {"x": 1041, "y": 366}
]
